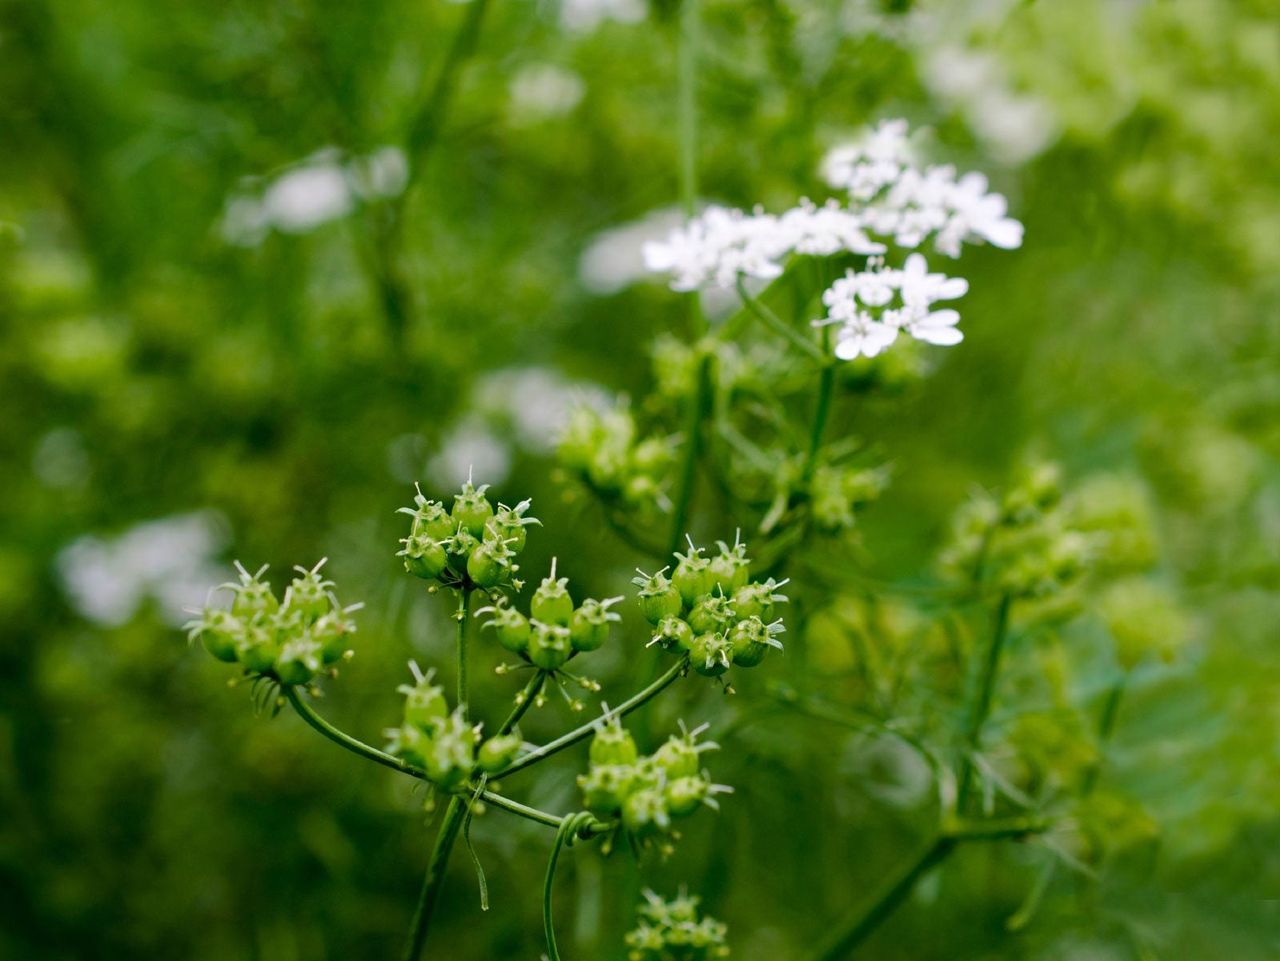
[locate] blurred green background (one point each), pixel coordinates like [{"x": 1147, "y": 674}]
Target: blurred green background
[{"x": 252, "y": 287}]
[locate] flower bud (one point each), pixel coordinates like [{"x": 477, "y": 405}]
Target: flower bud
[
  {"x": 712, "y": 613},
  {"x": 508, "y": 525},
  {"x": 298, "y": 661},
  {"x": 645, "y": 812},
  {"x": 489, "y": 563},
  {"x": 730, "y": 568},
  {"x": 253, "y": 596},
  {"x": 219, "y": 631},
  {"x": 605, "y": 787},
  {"x": 425, "y": 707},
  {"x": 684, "y": 795},
  {"x": 308, "y": 594},
  {"x": 333, "y": 632},
  {"x": 257, "y": 647}
]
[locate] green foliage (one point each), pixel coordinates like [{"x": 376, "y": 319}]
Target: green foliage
[{"x": 294, "y": 382}]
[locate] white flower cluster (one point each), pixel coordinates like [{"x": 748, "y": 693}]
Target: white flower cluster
[
  {"x": 873, "y": 305},
  {"x": 890, "y": 197},
  {"x": 721, "y": 244}
]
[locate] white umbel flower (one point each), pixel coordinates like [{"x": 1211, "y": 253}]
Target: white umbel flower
[
  {"x": 719, "y": 246},
  {"x": 873, "y": 305}
]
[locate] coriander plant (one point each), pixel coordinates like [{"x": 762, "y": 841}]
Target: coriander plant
[{"x": 732, "y": 440}]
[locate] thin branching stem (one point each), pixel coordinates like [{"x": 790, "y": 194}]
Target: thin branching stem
[
  {"x": 982, "y": 706},
  {"x": 432, "y": 881},
  {"x": 462, "y": 615},
  {"x": 699, "y": 409},
  {"x": 586, "y": 730},
  {"x": 775, "y": 323},
  {"x": 524, "y": 701}
]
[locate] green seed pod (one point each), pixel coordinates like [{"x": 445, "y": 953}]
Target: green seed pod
[
  {"x": 471, "y": 509},
  {"x": 308, "y": 594},
  {"x": 253, "y": 596},
  {"x": 551, "y": 602},
  {"x": 644, "y": 812},
  {"x": 692, "y": 577},
  {"x": 711, "y": 614},
  {"x": 549, "y": 645},
  {"x": 460, "y": 547},
  {"x": 488, "y": 564},
  {"x": 425, "y": 706},
  {"x": 730, "y": 568},
  {"x": 333, "y": 632},
  {"x": 674, "y": 634},
  {"x": 257, "y": 647},
  {"x": 589, "y": 628},
  {"x": 678, "y": 757},
  {"x": 605, "y": 787},
  {"x": 219, "y": 631},
  {"x": 497, "y": 752},
  {"x": 751, "y": 639},
  {"x": 757, "y": 599},
  {"x": 512, "y": 629},
  {"x": 711, "y": 654},
  {"x": 298, "y": 661},
  {"x": 613, "y": 744},
  {"x": 424, "y": 556},
  {"x": 658, "y": 598},
  {"x": 508, "y": 525},
  {"x": 684, "y": 795},
  {"x": 452, "y": 756},
  {"x": 412, "y": 744}
]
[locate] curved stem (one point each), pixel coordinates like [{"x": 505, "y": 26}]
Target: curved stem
[
  {"x": 434, "y": 878},
  {"x": 355, "y": 746},
  {"x": 524, "y": 701},
  {"x": 699, "y": 408},
  {"x": 464, "y": 604},
  {"x": 585, "y": 828},
  {"x": 586, "y": 730},
  {"x": 982, "y": 708},
  {"x": 563, "y": 836},
  {"x": 774, "y": 323},
  {"x": 1106, "y": 727}
]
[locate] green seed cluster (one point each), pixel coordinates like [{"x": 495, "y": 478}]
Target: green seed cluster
[
  {"x": 712, "y": 610},
  {"x": 603, "y": 450},
  {"x": 554, "y": 630},
  {"x": 291, "y": 640},
  {"x": 836, "y": 493},
  {"x": 442, "y": 743},
  {"x": 1024, "y": 544},
  {"x": 672, "y": 931},
  {"x": 471, "y": 545},
  {"x": 646, "y": 792}
]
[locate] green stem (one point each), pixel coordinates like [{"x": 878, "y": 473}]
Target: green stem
[
  {"x": 774, "y": 323},
  {"x": 885, "y": 901},
  {"x": 826, "y": 385},
  {"x": 464, "y": 604},
  {"x": 687, "y": 104},
  {"x": 564, "y": 836},
  {"x": 898, "y": 888},
  {"x": 454, "y": 815},
  {"x": 524, "y": 701},
  {"x": 308, "y": 714},
  {"x": 586, "y": 730},
  {"x": 585, "y": 829},
  {"x": 1106, "y": 727},
  {"x": 982, "y": 708},
  {"x": 699, "y": 409}
]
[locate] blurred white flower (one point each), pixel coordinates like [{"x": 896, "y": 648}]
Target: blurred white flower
[
  {"x": 534, "y": 403},
  {"x": 583, "y": 16},
  {"x": 169, "y": 561},
  {"x": 540, "y": 91},
  {"x": 870, "y": 163},
  {"x": 615, "y": 257},
  {"x": 1013, "y": 127},
  {"x": 324, "y": 187},
  {"x": 470, "y": 447}
]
